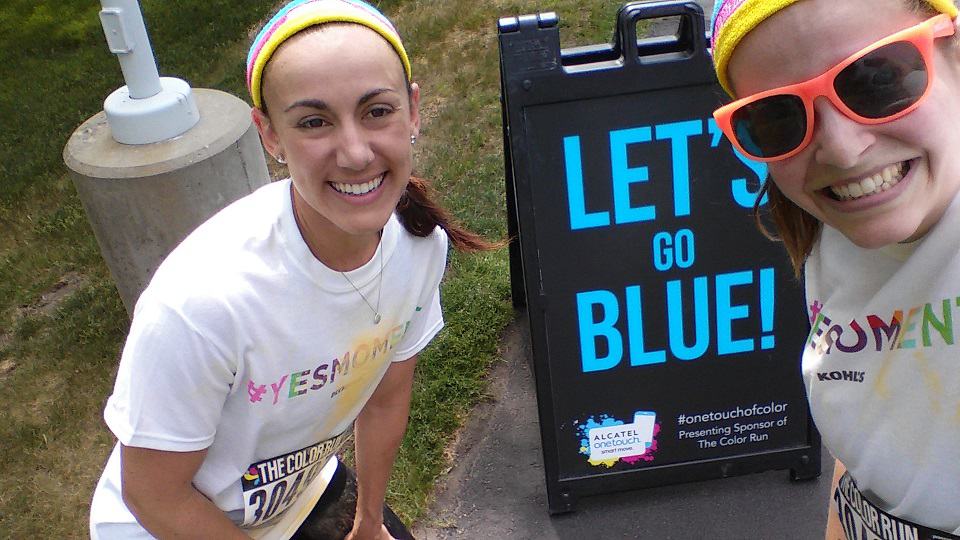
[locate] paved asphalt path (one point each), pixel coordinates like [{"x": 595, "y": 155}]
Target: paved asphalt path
[{"x": 496, "y": 489}]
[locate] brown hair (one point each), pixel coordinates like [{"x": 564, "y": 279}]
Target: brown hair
[
  {"x": 797, "y": 229},
  {"x": 420, "y": 214}
]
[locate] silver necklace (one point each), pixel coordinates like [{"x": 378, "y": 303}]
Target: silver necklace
[
  {"x": 376, "y": 311},
  {"x": 300, "y": 225}
]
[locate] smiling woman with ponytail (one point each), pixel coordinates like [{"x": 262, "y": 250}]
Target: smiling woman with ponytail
[{"x": 293, "y": 318}]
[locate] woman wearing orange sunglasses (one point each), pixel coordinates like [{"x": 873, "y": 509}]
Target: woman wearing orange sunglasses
[{"x": 854, "y": 107}]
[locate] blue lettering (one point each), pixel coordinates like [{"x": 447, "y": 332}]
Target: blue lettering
[
  {"x": 639, "y": 356},
  {"x": 741, "y": 193},
  {"x": 662, "y": 251},
  {"x": 696, "y": 318},
  {"x": 677, "y": 249},
  {"x": 766, "y": 308},
  {"x": 624, "y": 176},
  {"x": 679, "y": 133},
  {"x": 686, "y": 253},
  {"x": 591, "y": 330},
  {"x": 738, "y": 186},
  {"x": 701, "y": 323},
  {"x": 579, "y": 217},
  {"x": 727, "y": 313}
]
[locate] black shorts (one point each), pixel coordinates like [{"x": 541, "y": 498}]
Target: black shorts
[{"x": 332, "y": 516}]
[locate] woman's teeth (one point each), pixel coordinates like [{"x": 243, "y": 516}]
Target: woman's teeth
[
  {"x": 882, "y": 181},
  {"x": 358, "y": 189}
]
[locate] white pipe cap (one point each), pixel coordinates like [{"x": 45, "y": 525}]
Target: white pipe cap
[{"x": 169, "y": 113}]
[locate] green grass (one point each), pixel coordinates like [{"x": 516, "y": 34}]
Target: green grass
[
  {"x": 58, "y": 361},
  {"x": 454, "y": 50}
]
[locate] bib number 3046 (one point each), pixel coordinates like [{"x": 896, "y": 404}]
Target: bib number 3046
[{"x": 273, "y": 485}]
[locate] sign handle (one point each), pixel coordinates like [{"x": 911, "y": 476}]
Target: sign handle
[{"x": 689, "y": 42}]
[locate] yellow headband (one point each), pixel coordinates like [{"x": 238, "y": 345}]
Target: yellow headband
[
  {"x": 734, "y": 19},
  {"x": 301, "y": 14}
]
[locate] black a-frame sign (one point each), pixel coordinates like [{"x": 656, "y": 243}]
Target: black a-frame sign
[{"x": 666, "y": 330}]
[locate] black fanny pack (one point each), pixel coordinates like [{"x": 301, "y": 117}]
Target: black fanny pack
[{"x": 862, "y": 520}]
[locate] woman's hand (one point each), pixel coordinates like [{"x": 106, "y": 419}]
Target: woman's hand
[
  {"x": 377, "y": 434},
  {"x": 358, "y": 532}
]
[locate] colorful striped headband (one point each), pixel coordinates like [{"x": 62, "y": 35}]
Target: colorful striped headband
[
  {"x": 734, "y": 19},
  {"x": 301, "y": 14}
]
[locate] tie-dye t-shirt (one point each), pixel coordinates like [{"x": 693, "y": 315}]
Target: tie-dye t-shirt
[
  {"x": 882, "y": 368},
  {"x": 247, "y": 346}
]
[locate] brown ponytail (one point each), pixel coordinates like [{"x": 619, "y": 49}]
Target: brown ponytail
[{"x": 420, "y": 214}]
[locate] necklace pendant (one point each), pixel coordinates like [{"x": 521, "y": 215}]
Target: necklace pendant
[{"x": 376, "y": 318}]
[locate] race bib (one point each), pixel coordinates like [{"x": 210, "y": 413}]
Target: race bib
[
  {"x": 862, "y": 520},
  {"x": 273, "y": 485}
]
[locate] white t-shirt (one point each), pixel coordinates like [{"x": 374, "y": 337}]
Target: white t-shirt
[
  {"x": 882, "y": 368},
  {"x": 246, "y": 345}
]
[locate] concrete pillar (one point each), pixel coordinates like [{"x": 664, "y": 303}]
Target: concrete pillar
[{"x": 143, "y": 200}]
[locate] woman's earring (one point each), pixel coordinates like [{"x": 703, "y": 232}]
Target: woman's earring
[
  {"x": 280, "y": 159},
  {"x": 413, "y": 139}
]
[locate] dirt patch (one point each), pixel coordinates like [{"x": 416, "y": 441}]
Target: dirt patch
[
  {"x": 6, "y": 367},
  {"x": 49, "y": 301}
]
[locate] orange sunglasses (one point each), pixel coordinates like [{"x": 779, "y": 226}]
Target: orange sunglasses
[{"x": 878, "y": 84}]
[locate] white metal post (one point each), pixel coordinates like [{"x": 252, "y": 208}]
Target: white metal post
[
  {"x": 127, "y": 38},
  {"x": 149, "y": 108}
]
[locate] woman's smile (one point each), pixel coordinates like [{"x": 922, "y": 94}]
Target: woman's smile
[
  {"x": 358, "y": 188},
  {"x": 870, "y": 185}
]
